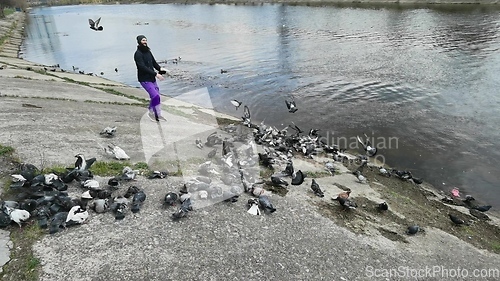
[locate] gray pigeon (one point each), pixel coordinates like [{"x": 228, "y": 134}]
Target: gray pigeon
[
  {"x": 316, "y": 189},
  {"x": 108, "y": 132},
  {"x": 266, "y": 204}
]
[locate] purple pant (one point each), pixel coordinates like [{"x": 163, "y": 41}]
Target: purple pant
[{"x": 154, "y": 95}]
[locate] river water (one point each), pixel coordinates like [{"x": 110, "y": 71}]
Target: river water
[{"x": 422, "y": 82}]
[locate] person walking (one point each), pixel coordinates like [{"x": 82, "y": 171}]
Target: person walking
[{"x": 146, "y": 74}]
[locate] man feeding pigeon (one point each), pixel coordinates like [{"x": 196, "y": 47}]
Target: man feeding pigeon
[{"x": 146, "y": 74}]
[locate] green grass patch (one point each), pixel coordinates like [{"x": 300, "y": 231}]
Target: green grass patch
[
  {"x": 24, "y": 265},
  {"x": 496, "y": 247},
  {"x": 6, "y": 150},
  {"x": 317, "y": 174},
  {"x": 8, "y": 11},
  {"x": 114, "y": 168}
]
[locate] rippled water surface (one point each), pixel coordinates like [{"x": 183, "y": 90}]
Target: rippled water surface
[{"x": 424, "y": 83}]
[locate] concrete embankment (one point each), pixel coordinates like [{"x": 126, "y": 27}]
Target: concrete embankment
[{"x": 48, "y": 117}]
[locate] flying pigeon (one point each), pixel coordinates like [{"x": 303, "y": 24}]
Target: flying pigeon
[
  {"x": 316, "y": 189},
  {"x": 117, "y": 151},
  {"x": 367, "y": 146},
  {"x": 108, "y": 132},
  {"x": 253, "y": 206},
  {"x": 246, "y": 116},
  {"x": 236, "y": 103},
  {"x": 290, "y": 104},
  {"x": 94, "y": 25}
]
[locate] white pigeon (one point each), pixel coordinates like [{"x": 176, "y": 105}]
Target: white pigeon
[
  {"x": 18, "y": 215},
  {"x": 128, "y": 173},
  {"x": 108, "y": 132},
  {"x": 117, "y": 151},
  {"x": 91, "y": 184},
  {"x": 18, "y": 178},
  {"x": 77, "y": 215},
  {"x": 86, "y": 195},
  {"x": 50, "y": 178},
  {"x": 254, "y": 207}
]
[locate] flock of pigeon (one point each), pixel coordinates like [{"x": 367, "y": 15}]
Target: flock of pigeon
[{"x": 232, "y": 168}]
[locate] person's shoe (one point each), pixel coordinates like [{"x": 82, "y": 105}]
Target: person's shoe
[
  {"x": 152, "y": 117},
  {"x": 161, "y": 118}
]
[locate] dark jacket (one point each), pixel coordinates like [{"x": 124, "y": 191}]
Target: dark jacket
[{"x": 146, "y": 65}]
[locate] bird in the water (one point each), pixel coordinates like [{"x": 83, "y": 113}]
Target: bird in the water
[
  {"x": 316, "y": 189},
  {"x": 367, "y": 146},
  {"x": 482, "y": 208},
  {"x": 253, "y": 206},
  {"x": 383, "y": 206},
  {"x": 456, "y": 220},
  {"x": 236, "y": 103},
  {"x": 94, "y": 25},
  {"x": 290, "y": 104},
  {"x": 108, "y": 132},
  {"x": 116, "y": 69},
  {"x": 222, "y": 71}
]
